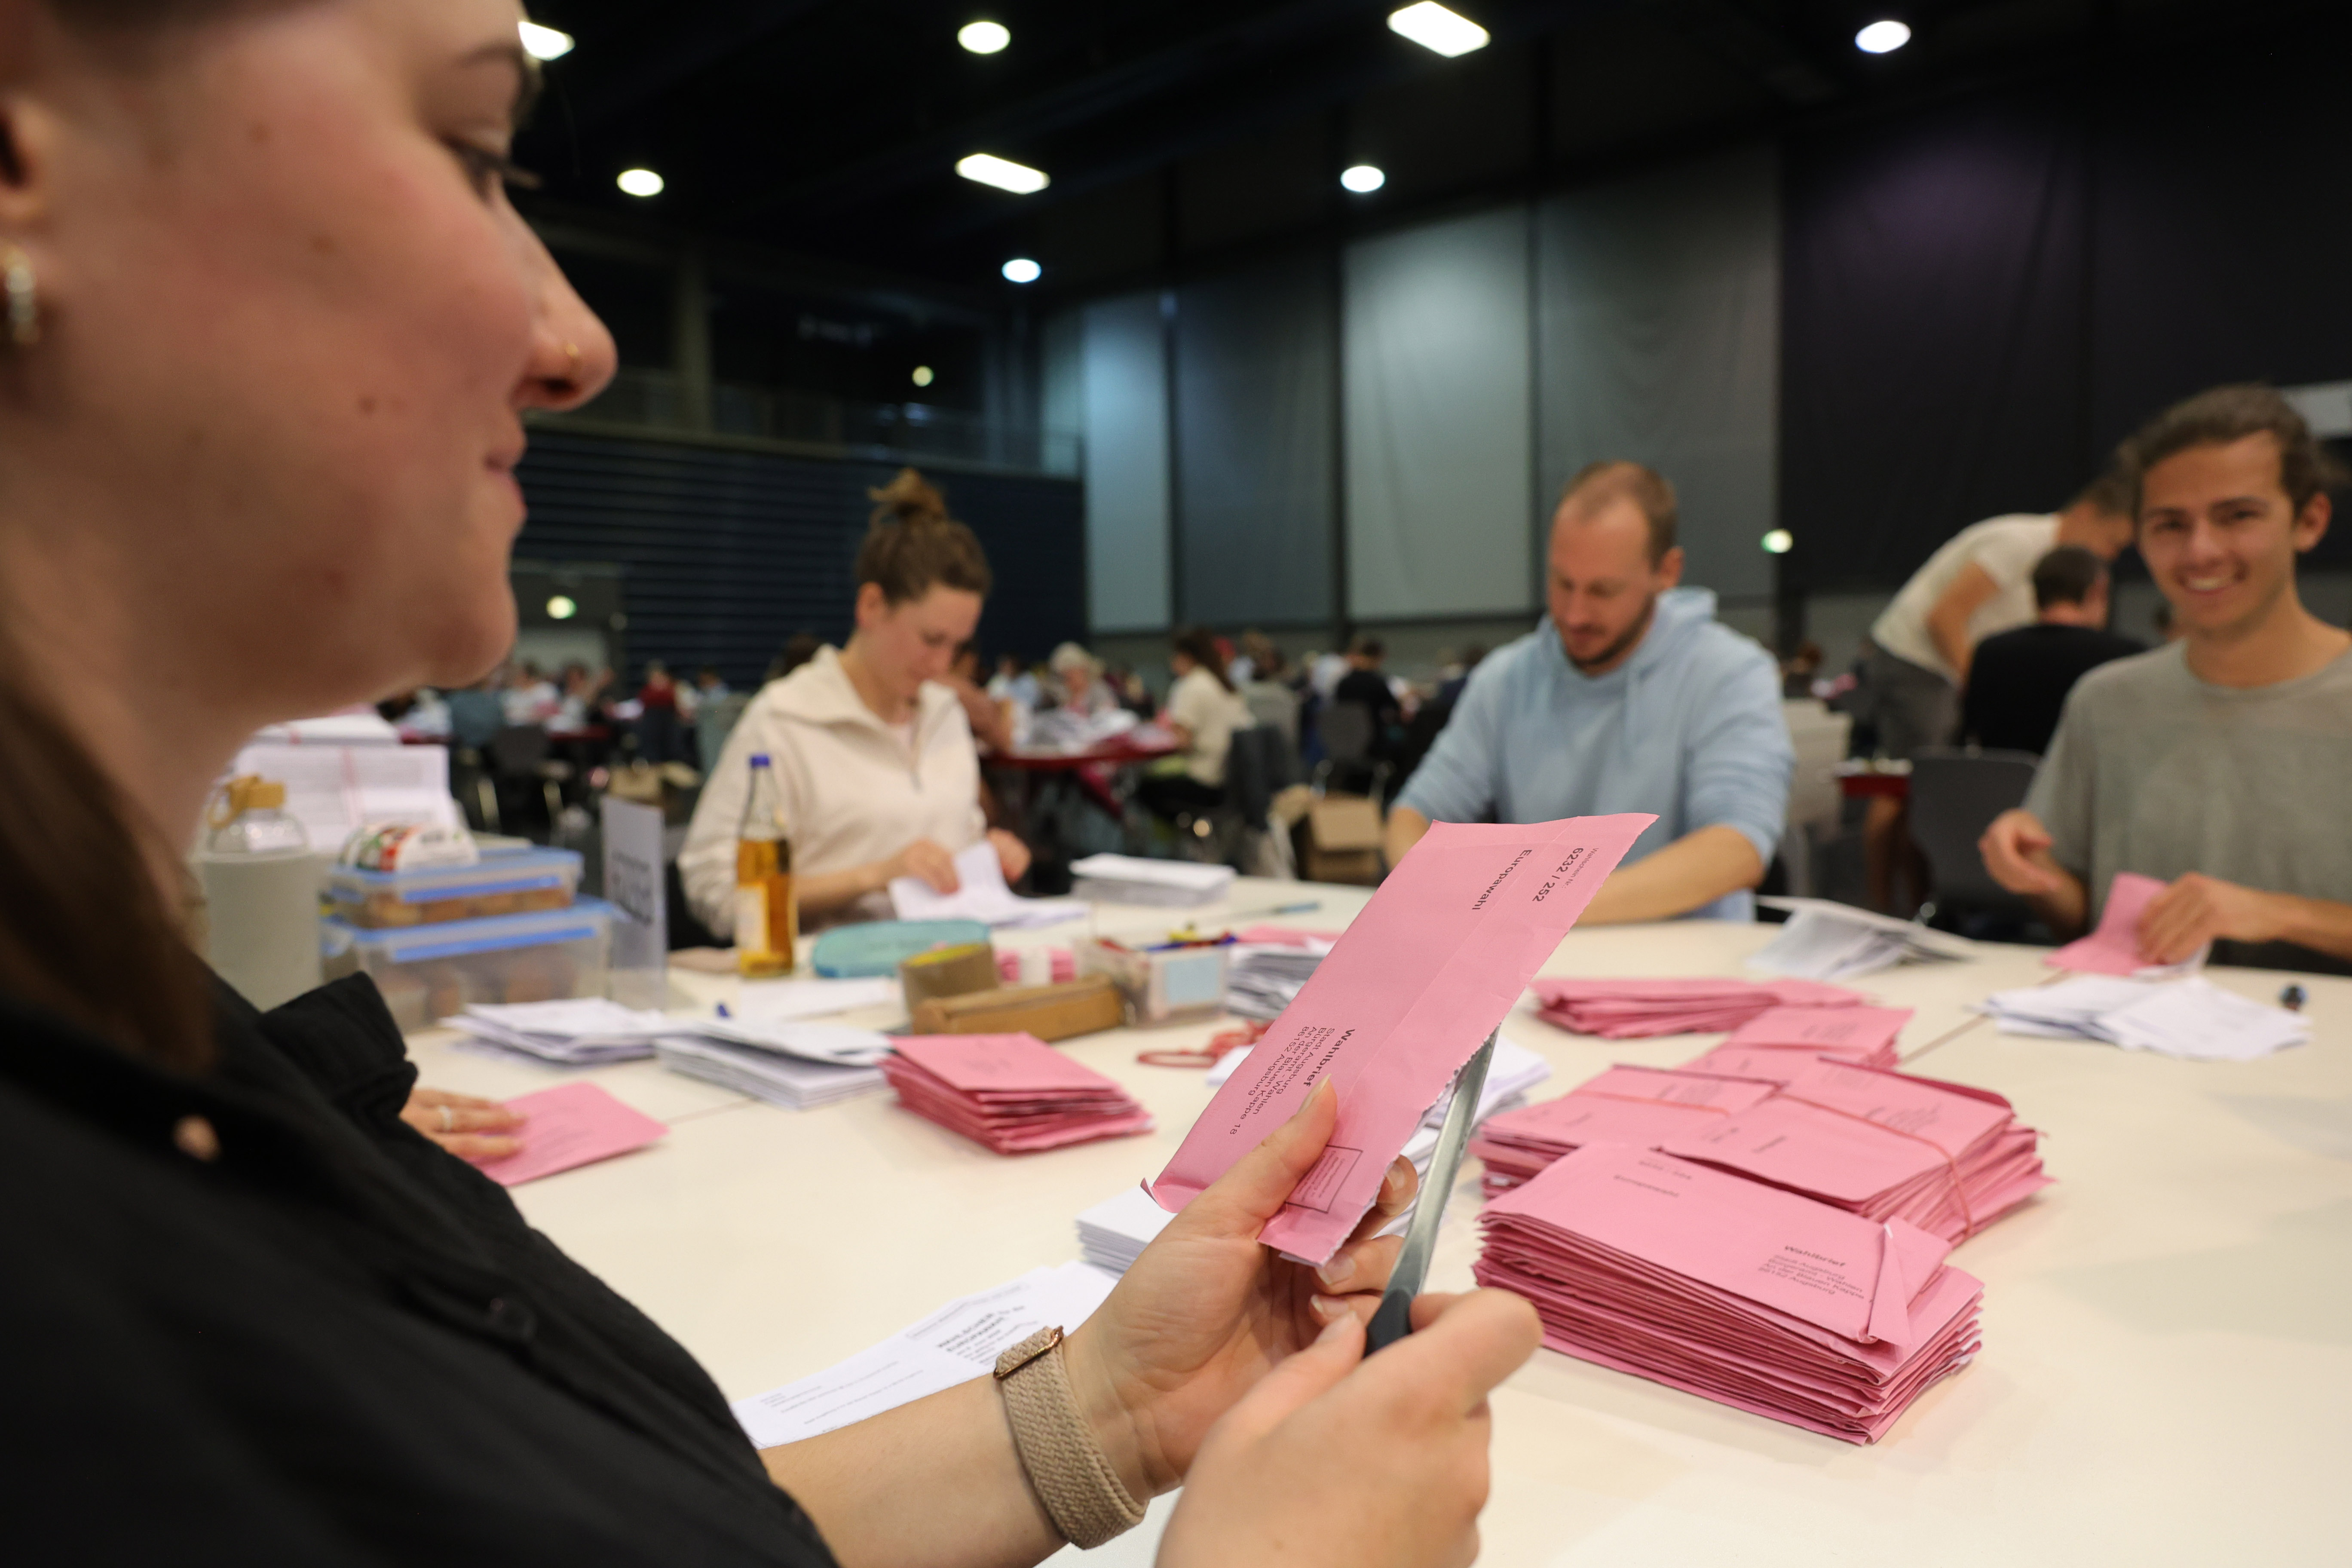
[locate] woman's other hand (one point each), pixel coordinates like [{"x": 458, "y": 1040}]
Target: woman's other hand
[
  {"x": 470, "y": 1128},
  {"x": 1208, "y": 1310},
  {"x": 925, "y": 859},
  {"x": 1359, "y": 1463},
  {"x": 1011, "y": 854}
]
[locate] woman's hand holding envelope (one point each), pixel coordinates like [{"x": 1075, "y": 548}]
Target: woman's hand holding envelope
[{"x": 1213, "y": 1344}]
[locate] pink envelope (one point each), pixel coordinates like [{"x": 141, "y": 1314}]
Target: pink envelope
[
  {"x": 1860, "y": 1031},
  {"x": 998, "y": 1063},
  {"x": 576, "y": 1125},
  {"x": 1425, "y": 973},
  {"x": 2113, "y": 948}
]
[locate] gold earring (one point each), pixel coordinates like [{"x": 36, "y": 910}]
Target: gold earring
[{"x": 24, "y": 296}]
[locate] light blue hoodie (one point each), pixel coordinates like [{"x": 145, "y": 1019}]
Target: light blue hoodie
[{"x": 1689, "y": 728}]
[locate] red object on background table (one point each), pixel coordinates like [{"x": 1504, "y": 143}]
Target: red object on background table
[
  {"x": 1112, "y": 751},
  {"x": 1861, "y": 786}
]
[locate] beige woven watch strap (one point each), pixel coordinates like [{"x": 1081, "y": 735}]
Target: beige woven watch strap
[{"x": 1073, "y": 1478}]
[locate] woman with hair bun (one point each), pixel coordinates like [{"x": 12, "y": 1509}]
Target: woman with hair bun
[{"x": 872, "y": 751}]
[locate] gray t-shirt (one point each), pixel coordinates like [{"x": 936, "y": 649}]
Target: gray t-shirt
[{"x": 2154, "y": 770}]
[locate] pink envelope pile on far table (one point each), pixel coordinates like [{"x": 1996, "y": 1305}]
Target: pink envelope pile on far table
[
  {"x": 1012, "y": 1093},
  {"x": 1864, "y": 1035},
  {"x": 1732, "y": 1290},
  {"x": 1637, "y": 1009}
]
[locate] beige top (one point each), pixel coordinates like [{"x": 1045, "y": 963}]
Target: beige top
[
  {"x": 853, "y": 790},
  {"x": 1211, "y": 714},
  {"x": 2006, "y": 548}
]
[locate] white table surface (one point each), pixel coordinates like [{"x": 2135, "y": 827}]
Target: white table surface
[{"x": 2166, "y": 1374}]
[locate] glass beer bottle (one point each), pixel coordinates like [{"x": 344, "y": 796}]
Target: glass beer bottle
[{"x": 767, "y": 917}]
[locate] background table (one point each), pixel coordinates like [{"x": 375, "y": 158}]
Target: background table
[{"x": 2167, "y": 1372}]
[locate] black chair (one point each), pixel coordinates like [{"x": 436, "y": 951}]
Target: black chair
[
  {"x": 1346, "y": 733},
  {"x": 1955, "y": 796},
  {"x": 520, "y": 766}
]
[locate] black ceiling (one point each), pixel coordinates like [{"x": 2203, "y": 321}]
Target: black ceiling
[{"x": 1175, "y": 133}]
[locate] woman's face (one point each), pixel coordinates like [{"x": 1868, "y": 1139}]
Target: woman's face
[
  {"x": 913, "y": 641},
  {"x": 292, "y": 326}
]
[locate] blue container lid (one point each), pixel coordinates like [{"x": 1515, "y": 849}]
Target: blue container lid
[{"x": 459, "y": 939}]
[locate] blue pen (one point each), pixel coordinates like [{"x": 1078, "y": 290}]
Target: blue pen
[{"x": 723, "y": 1011}]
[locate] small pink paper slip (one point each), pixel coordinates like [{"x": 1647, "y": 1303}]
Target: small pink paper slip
[
  {"x": 576, "y": 1125},
  {"x": 2114, "y": 947},
  {"x": 1422, "y": 976}
]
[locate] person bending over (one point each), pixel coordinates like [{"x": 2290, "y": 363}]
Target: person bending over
[
  {"x": 252, "y": 1316},
  {"x": 2018, "y": 680},
  {"x": 870, "y": 744},
  {"x": 2216, "y": 763},
  {"x": 1627, "y": 697}
]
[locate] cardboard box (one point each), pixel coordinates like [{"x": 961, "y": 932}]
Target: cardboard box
[
  {"x": 1339, "y": 840},
  {"x": 1048, "y": 1011}
]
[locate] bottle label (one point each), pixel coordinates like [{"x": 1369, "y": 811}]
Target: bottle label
[{"x": 752, "y": 919}]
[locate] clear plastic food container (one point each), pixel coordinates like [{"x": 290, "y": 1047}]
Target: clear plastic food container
[
  {"x": 504, "y": 882},
  {"x": 428, "y": 972}
]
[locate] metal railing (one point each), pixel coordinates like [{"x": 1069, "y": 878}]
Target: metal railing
[{"x": 662, "y": 401}]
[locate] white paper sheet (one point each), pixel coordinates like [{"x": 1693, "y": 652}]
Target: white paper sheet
[
  {"x": 981, "y": 895},
  {"x": 960, "y": 1342}
]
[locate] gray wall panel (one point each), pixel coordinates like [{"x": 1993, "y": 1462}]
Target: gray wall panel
[
  {"x": 1437, "y": 391},
  {"x": 1255, "y": 424},
  {"x": 1127, "y": 470},
  {"x": 1658, "y": 340}
]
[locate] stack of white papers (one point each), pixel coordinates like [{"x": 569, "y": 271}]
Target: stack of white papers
[
  {"x": 981, "y": 895},
  {"x": 576, "y": 1033},
  {"x": 1263, "y": 978},
  {"x": 813, "y": 998},
  {"x": 1514, "y": 1070},
  {"x": 1130, "y": 880},
  {"x": 1113, "y": 1234},
  {"x": 793, "y": 1082},
  {"x": 1825, "y": 941},
  {"x": 2191, "y": 1018},
  {"x": 955, "y": 1344}
]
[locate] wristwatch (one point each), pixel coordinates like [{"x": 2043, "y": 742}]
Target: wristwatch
[{"x": 1066, "y": 1468}]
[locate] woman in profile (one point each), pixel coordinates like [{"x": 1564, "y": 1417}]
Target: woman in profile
[{"x": 268, "y": 326}]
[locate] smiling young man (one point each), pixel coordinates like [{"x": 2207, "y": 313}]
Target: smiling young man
[
  {"x": 2218, "y": 762},
  {"x": 1628, "y": 697}
]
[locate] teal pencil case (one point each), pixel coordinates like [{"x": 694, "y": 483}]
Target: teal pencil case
[{"x": 879, "y": 947}]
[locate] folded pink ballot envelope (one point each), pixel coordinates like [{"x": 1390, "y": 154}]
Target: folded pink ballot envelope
[
  {"x": 2113, "y": 948},
  {"x": 1857, "y": 1031},
  {"x": 999, "y": 1064},
  {"x": 575, "y": 1125},
  {"x": 1420, "y": 978}
]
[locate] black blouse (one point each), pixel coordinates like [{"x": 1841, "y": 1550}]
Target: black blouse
[{"x": 329, "y": 1343}]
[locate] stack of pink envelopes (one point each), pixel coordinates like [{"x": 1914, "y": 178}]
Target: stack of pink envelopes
[
  {"x": 1731, "y": 1290},
  {"x": 1641, "y": 1106},
  {"x": 1944, "y": 1157},
  {"x": 1631, "y": 1009},
  {"x": 1012, "y": 1093},
  {"x": 1864, "y": 1035}
]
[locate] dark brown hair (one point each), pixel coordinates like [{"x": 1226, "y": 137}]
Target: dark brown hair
[
  {"x": 1597, "y": 484},
  {"x": 84, "y": 930},
  {"x": 2066, "y": 576},
  {"x": 912, "y": 545},
  {"x": 2223, "y": 415},
  {"x": 2116, "y": 492},
  {"x": 1198, "y": 644}
]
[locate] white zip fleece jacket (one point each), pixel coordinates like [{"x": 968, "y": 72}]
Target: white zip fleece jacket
[{"x": 851, "y": 793}]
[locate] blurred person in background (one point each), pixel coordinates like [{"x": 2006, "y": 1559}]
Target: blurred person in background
[
  {"x": 1203, "y": 712},
  {"x": 1078, "y": 686},
  {"x": 2018, "y": 680},
  {"x": 991, "y": 722},
  {"x": 798, "y": 649}
]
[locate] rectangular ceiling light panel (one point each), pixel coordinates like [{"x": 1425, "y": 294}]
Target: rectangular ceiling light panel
[
  {"x": 1002, "y": 173},
  {"x": 1433, "y": 27}
]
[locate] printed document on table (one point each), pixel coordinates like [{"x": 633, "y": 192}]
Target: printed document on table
[
  {"x": 960, "y": 1342},
  {"x": 981, "y": 895},
  {"x": 1432, "y": 965}
]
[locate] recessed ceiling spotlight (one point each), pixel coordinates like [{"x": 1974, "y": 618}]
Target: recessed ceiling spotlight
[
  {"x": 1779, "y": 541},
  {"x": 1363, "y": 179},
  {"x": 544, "y": 43},
  {"x": 562, "y": 608},
  {"x": 1002, "y": 173},
  {"x": 1433, "y": 27},
  {"x": 1021, "y": 269},
  {"x": 640, "y": 182},
  {"x": 983, "y": 37},
  {"x": 1881, "y": 38},
  {"x": 922, "y": 375}
]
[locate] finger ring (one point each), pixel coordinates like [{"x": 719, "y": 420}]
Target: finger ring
[{"x": 449, "y": 1122}]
